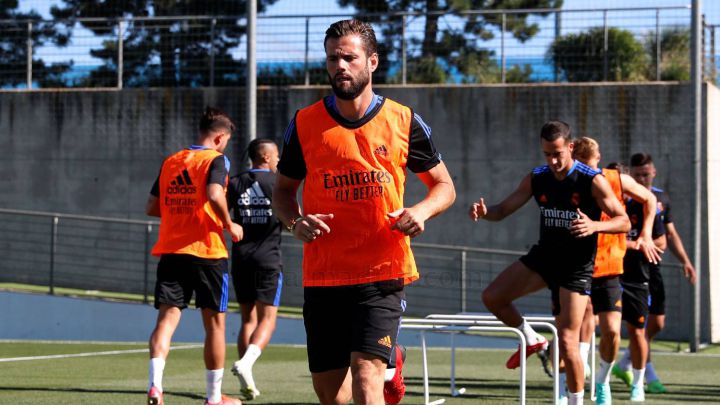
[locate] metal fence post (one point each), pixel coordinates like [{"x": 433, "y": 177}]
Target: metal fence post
[
  {"x": 403, "y": 48},
  {"x": 697, "y": 102},
  {"x": 463, "y": 281},
  {"x": 212, "y": 52},
  {"x": 29, "y": 55},
  {"x": 120, "y": 56},
  {"x": 658, "y": 55},
  {"x": 558, "y": 34},
  {"x": 307, "y": 51},
  {"x": 605, "y": 45},
  {"x": 502, "y": 48},
  {"x": 148, "y": 231},
  {"x": 53, "y": 249}
]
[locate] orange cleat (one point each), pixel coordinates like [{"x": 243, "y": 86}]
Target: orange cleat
[
  {"x": 225, "y": 401},
  {"x": 514, "y": 360},
  {"x": 155, "y": 396},
  {"x": 394, "y": 390}
]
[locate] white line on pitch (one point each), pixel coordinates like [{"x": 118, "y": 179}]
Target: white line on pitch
[{"x": 90, "y": 354}]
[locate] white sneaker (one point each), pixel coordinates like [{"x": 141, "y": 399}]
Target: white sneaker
[{"x": 247, "y": 385}]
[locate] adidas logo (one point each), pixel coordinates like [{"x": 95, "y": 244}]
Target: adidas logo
[
  {"x": 253, "y": 196},
  {"x": 182, "y": 184},
  {"x": 385, "y": 341},
  {"x": 381, "y": 151}
]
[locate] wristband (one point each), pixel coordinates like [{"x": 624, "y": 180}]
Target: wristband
[{"x": 293, "y": 223}]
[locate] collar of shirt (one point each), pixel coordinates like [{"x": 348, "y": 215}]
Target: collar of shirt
[{"x": 375, "y": 101}]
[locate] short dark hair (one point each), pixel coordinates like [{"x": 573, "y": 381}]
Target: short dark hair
[
  {"x": 213, "y": 120},
  {"x": 256, "y": 145},
  {"x": 554, "y": 129},
  {"x": 640, "y": 159},
  {"x": 617, "y": 166},
  {"x": 344, "y": 28}
]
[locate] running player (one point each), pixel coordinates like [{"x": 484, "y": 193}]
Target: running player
[
  {"x": 571, "y": 197},
  {"x": 606, "y": 296},
  {"x": 350, "y": 151},
  {"x": 643, "y": 170},
  {"x": 256, "y": 260},
  {"x": 189, "y": 197}
]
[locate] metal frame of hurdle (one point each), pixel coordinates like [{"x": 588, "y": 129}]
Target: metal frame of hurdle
[{"x": 459, "y": 323}]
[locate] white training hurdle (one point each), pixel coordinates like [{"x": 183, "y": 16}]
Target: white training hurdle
[
  {"x": 530, "y": 319},
  {"x": 463, "y": 325}
]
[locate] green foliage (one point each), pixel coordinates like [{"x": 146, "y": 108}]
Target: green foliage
[
  {"x": 164, "y": 53},
  {"x": 581, "y": 57},
  {"x": 674, "y": 54},
  {"x": 13, "y": 47},
  {"x": 445, "y": 52}
]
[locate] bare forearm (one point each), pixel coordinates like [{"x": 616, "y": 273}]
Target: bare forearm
[
  {"x": 677, "y": 247},
  {"x": 218, "y": 202},
  {"x": 438, "y": 199},
  {"x": 619, "y": 224},
  {"x": 285, "y": 206}
]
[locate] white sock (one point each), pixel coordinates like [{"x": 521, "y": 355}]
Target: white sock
[
  {"x": 638, "y": 376},
  {"x": 531, "y": 336},
  {"x": 650, "y": 375},
  {"x": 155, "y": 372},
  {"x": 213, "y": 385},
  {"x": 251, "y": 355},
  {"x": 624, "y": 363},
  {"x": 603, "y": 375},
  {"x": 389, "y": 374},
  {"x": 576, "y": 398},
  {"x": 585, "y": 352}
]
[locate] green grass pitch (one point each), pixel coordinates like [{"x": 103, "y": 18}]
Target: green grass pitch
[{"x": 283, "y": 377}]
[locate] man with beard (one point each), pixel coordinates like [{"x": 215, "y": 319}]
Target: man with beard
[{"x": 351, "y": 149}]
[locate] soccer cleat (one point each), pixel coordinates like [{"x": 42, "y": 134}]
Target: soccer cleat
[
  {"x": 602, "y": 392},
  {"x": 562, "y": 398},
  {"x": 394, "y": 390},
  {"x": 586, "y": 370},
  {"x": 247, "y": 385},
  {"x": 514, "y": 360},
  {"x": 544, "y": 356},
  {"x": 626, "y": 376},
  {"x": 155, "y": 396},
  {"x": 637, "y": 393},
  {"x": 656, "y": 387},
  {"x": 225, "y": 401}
]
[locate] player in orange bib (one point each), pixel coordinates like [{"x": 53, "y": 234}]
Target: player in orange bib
[
  {"x": 351, "y": 151},
  {"x": 189, "y": 198},
  {"x": 606, "y": 292}
]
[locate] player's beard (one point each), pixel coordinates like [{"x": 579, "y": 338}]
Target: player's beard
[{"x": 356, "y": 86}]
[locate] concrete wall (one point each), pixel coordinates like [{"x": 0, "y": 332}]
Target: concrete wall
[{"x": 97, "y": 153}]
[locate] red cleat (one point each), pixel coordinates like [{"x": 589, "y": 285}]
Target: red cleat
[
  {"x": 394, "y": 390},
  {"x": 514, "y": 360},
  {"x": 155, "y": 396},
  {"x": 225, "y": 401}
]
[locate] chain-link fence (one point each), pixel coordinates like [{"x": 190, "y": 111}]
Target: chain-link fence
[{"x": 472, "y": 46}]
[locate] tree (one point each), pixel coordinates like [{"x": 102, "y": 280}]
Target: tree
[
  {"x": 581, "y": 57},
  {"x": 13, "y": 47},
  {"x": 674, "y": 54},
  {"x": 443, "y": 53},
  {"x": 164, "y": 52}
]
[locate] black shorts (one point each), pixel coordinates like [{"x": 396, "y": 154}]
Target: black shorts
[
  {"x": 178, "y": 276},
  {"x": 357, "y": 318},
  {"x": 635, "y": 304},
  {"x": 657, "y": 292},
  {"x": 549, "y": 265},
  {"x": 253, "y": 283},
  {"x": 606, "y": 294}
]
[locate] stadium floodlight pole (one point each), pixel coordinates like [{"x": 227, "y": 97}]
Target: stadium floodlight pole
[
  {"x": 696, "y": 80},
  {"x": 251, "y": 70}
]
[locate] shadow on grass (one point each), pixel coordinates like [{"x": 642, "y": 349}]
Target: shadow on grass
[{"x": 100, "y": 391}]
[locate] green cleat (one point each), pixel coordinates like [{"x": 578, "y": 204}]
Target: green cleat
[
  {"x": 656, "y": 387},
  {"x": 625, "y": 376}
]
